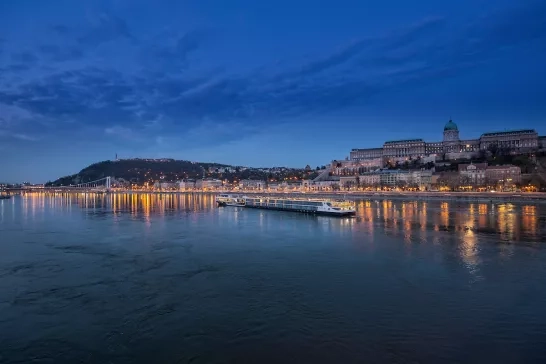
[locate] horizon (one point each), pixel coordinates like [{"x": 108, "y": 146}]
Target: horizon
[{"x": 258, "y": 84}]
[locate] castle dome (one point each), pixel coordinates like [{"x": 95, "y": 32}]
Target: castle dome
[{"x": 450, "y": 126}]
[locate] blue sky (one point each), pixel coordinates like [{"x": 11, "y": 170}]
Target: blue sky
[{"x": 258, "y": 82}]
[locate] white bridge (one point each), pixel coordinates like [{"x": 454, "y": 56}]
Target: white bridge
[{"x": 102, "y": 184}]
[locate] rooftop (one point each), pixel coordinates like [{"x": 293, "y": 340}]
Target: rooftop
[
  {"x": 405, "y": 141},
  {"x": 450, "y": 125},
  {"x": 479, "y": 166},
  {"x": 506, "y": 166},
  {"x": 522, "y": 131}
]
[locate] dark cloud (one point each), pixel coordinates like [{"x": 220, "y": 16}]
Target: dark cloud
[
  {"x": 415, "y": 33},
  {"x": 15, "y": 68},
  {"x": 103, "y": 28},
  {"x": 167, "y": 51},
  {"x": 107, "y": 27},
  {"x": 421, "y": 52},
  {"x": 382, "y": 44},
  {"x": 509, "y": 27},
  {"x": 69, "y": 93},
  {"x": 347, "y": 77}
]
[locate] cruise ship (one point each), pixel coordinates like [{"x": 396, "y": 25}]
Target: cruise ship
[
  {"x": 230, "y": 200},
  {"x": 305, "y": 205}
]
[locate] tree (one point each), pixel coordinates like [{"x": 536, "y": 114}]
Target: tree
[
  {"x": 493, "y": 149},
  {"x": 429, "y": 165},
  {"x": 401, "y": 184},
  {"x": 466, "y": 180},
  {"x": 482, "y": 155},
  {"x": 414, "y": 186}
]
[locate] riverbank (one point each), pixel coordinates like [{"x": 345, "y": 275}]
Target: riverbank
[
  {"x": 427, "y": 196},
  {"x": 535, "y": 197}
]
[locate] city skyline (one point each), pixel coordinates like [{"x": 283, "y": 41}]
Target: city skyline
[{"x": 258, "y": 84}]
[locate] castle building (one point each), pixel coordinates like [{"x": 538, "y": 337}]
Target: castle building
[{"x": 451, "y": 147}]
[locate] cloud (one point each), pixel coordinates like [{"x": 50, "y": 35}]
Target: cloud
[
  {"x": 169, "y": 52},
  {"x": 161, "y": 89},
  {"x": 12, "y": 115},
  {"x": 428, "y": 49},
  {"x": 18, "y": 136},
  {"x": 123, "y": 133},
  {"x": 105, "y": 28}
]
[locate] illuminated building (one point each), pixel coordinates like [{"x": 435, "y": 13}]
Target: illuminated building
[
  {"x": 473, "y": 173},
  {"x": 507, "y": 174},
  {"x": 451, "y": 147}
]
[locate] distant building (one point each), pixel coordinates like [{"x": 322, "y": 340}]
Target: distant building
[
  {"x": 274, "y": 186},
  {"x": 423, "y": 179},
  {"x": 390, "y": 178},
  {"x": 252, "y": 184},
  {"x": 472, "y": 173},
  {"x": 186, "y": 185},
  {"x": 542, "y": 143},
  {"x": 160, "y": 185},
  {"x": 366, "y": 154},
  {"x": 369, "y": 179},
  {"x": 320, "y": 185},
  {"x": 208, "y": 184},
  {"x": 451, "y": 147},
  {"x": 348, "y": 181},
  {"x": 351, "y": 168},
  {"x": 448, "y": 179},
  {"x": 507, "y": 174}
]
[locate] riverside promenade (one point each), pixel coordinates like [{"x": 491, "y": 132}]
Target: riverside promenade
[
  {"x": 523, "y": 197},
  {"x": 499, "y": 197}
]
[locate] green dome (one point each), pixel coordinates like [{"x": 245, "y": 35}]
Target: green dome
[{"x": 450, "y": 126}]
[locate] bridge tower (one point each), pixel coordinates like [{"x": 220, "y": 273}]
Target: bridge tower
[{"x": 108, "y": 182}]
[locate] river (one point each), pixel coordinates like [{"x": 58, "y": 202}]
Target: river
[{"x": 152, "y": 278}]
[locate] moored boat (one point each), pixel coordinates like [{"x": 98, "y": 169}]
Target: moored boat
[
  {"x": 305, "y": 205},
  {"x": 225, "y": 199}
]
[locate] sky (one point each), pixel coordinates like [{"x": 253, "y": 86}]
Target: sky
[{"x": 258, "y": 83}]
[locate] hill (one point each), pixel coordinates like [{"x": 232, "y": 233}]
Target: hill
[{"x": 140, "y": 171}]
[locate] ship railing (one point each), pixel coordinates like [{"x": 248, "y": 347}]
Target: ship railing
[{"x": 300, "y": 199}]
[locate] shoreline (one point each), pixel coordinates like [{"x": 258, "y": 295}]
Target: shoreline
[
  {"x": 424, "y": 196},
  {"x": 525, "y": 197}
]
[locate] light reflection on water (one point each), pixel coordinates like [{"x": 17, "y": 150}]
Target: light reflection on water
[
  {"x": 173, "y": 275},
  {"x": 509, "y": 222},
  {"x": 414, "y": 221}
]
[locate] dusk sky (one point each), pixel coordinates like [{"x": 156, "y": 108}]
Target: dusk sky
[{"x": 258, "y": 83}]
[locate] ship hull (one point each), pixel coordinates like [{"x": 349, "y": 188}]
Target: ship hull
[
  {"x": 322, "y": 213},
  {"x": 223, "y": 204}
]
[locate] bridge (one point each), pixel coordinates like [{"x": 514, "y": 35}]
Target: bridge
[{"x": 100, "y": 185}]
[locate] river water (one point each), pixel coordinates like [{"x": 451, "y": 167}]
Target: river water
[{"x": 173, "y": 279}]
